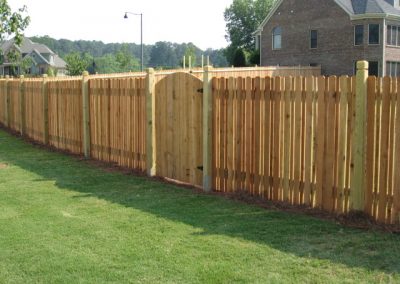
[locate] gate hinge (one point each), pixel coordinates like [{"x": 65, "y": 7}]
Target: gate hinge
[
  {"x": 200, "y": 168},
  {"x": 200, "y": 91}
]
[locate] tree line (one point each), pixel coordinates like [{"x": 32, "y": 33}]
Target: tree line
[
  {"x": 242, "y": 19},
  {"x": 99, "y": 57}
]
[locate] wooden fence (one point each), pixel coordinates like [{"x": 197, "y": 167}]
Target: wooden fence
[
  {"x": 284, "y": 139},
  {"x": 249, "y": 71},
  {"x": 322, "y": 142},
  {"x": 382, "y": 192},
  {"x": 65, "y": 115},
  {"x": 117, "y": 119}
]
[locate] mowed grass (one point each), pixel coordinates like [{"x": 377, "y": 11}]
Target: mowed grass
[{"x": 64, "y": 221}]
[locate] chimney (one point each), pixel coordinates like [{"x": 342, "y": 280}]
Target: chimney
[{"x": 394, "y": 3}]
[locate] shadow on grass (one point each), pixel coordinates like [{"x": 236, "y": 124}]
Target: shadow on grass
[{"x": 299, "y": 235}]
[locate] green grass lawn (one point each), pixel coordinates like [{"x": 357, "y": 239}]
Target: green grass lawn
[{"x": 64, "y": 221}]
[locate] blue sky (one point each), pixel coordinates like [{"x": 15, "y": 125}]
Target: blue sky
[{"x": 197, "y": 21}]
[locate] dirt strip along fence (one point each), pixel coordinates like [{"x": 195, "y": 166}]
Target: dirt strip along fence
[{"x": 323, "y": 142}]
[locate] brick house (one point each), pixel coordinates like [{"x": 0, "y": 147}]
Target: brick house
[{"x": 333, "y": 34}]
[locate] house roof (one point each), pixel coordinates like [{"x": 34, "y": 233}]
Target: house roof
[
  {"x": 59, "y": 62},
  {"x": 27, "y": 46},
  {"x": 355, "y": 8},
  {"x": 359, "y": 7},
  {"x": 39, "y": 55}
]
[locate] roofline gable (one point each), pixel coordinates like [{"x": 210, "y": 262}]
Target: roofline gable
[
  {"x": 268, "y": 17},
  {"x": 40, "y": 56},
  {"x": 278, "y": 4},
  {"x": 340, "y": 4}
]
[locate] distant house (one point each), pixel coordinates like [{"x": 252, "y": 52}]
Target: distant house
[
  {"x": 41, "y": 58},
  {"x": 333, "y": 34}
]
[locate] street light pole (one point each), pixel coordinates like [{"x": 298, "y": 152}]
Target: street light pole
[{"x": 141, "y": 35}]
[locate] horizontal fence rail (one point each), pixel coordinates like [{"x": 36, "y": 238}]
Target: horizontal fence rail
[{"x": 331, "y": 143}]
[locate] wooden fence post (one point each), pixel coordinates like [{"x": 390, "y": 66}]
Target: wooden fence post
[
  {"x": 207, "y": 129},
  {"x": 357, "y": 192},
  {"x": 86, "y": 118},
  {"x": 151, "y": 156},
  {"x": 6, "y": 103},
  {"x": 45, "y": 111},
  {"x": 22, "y": 105}
]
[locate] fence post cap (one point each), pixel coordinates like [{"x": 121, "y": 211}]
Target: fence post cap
[
  {"x": 362, "y": 65},
  {"x": 45, "y": 76},
  {"x": 150, "y": 70},
  {"x": 208, "y": 68},
  {"x": 7, "y": 76},
  {"x": 85, "y": 73},
  {"x": 21, "y": 76}
]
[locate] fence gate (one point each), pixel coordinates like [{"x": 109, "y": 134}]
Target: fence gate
[{"x": 179, "y": 119}]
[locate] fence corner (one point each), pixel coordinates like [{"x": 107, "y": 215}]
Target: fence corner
[
  {"x": 358, "y": 184},
  {"x": 207, "y": 129}
]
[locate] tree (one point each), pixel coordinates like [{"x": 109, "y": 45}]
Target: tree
[
  {"x": 239, "y": 59},
  {"x": 163, "y": 55},
  {"x": 242, "y": 19},
  {"x": 190, "y": 52},
  {"x": 217, "y": 57},
  {"x": 51, "y": 72},
  {"x": 76, "y": 63},
  {"x": 25, "y": 64},
  {"x": 126, "y": 62},
  {"x": 254, "y": 58},
  {"x": 12, "y": 24},
  {"x": 106, "y": 64}
]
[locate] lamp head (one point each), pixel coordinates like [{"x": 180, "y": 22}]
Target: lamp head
[{"x": 126, "y": 16}]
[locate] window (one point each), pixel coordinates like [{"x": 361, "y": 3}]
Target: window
[
  {"x": 393, "y": 35},
  {"x": 389, "y": 35},
  {"x": 393, "y": 69},
  {"x": 277, "y": 38},
  {"x": 373, "y": 68},
  {"x": 373, "y": 33},
  {"x": 313, "y": 39},
  {"x": 358, "y": 35},
  {"x": 398, "y": 36}
]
